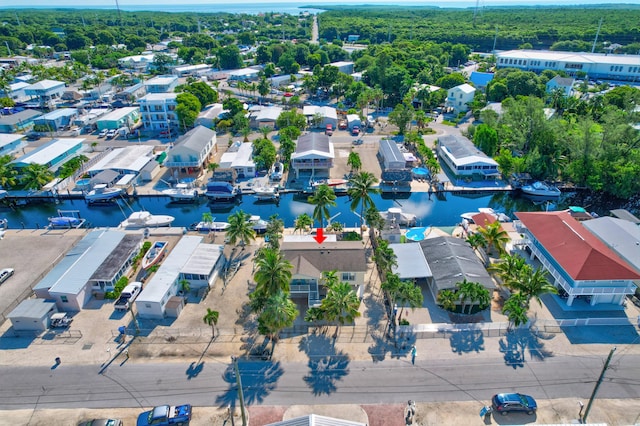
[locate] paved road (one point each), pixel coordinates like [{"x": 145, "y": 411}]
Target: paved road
[{"x": 323, "y": 381}]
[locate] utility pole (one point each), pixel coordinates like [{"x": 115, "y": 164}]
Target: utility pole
[
  {"x": 240, "y": 391},
  {"x": 595, "y": 389},
  {"x": 593, "y": 48}
]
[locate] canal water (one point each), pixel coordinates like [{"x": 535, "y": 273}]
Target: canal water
[{"x": 430, "y": 210}]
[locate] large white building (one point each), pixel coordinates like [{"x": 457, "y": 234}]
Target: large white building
[
  {"x": 158, "y": 111},
  {"x": 595, "y": 65}
]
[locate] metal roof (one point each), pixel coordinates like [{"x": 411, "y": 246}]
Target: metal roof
[
  {"x": 44, "y": 85},
  {"x": 573, "y": 57},
  {"x": 196, "y": 139},
  {"x": 316, "y": 420},
  {"x": 620, "y": 235},
  {"x": 203, "y": 259},
  {"x": 390, "y": 151},
  {"x": 411, "y": 261},
  {"x": 32, "y": 308},
  {"x": 463, "y": 150},
  {"x": 9, "y": 138},
  {"x": 119, "y": 113},
  {"x": 62, "y": 112},
  {"x": 118, "y": 257},
  {"x": 18, "y": 117},
  {"x": 159, "y": 285},
  {"x": 132, "y": 158},
  {"x": 626, "y": 215},
  {"x": 49, "y": 151}
]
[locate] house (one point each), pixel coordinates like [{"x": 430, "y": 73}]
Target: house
[
  {"x": 464, "y": 159},
  {"x": 158, "y": 111},
  {"x": 17, "y": 91},
  {"x": 244, "y": 74},
  {"x": 129, "y": 160},
  {"x": 45, "y": 92},
  {"x": 18, "y": 122},
  {"x": 343, "y": 66},
  {"x": 310, "y": 260},
  {"x": 390, "y": 155},
  {"x": 32, "y": 315},
  {"x": 121, "y": 117},
  {"x": 578, "y": 262},
  {"x": 131, "y": 93},
  {"x": 191, "y": 152},
  {"x": 411, "y": 263},
  {"x": 562, "y": 84},
  {"x": 459, "y": 97},
  {"x": 313, "y": 157},
  {"x": 326, "y": 116},
  {"x": 239, "y": 157},
  {"x": 594, "y": 65},
  {"x": 203, "y": 266},
  {"x": 353, "y": 120},
  {"x": 316, "y": 420},
  {"x": 161, "y": 84},
  {"x": 210, "y": 115},
  {"x": 52, "y": 154},
  {"x": 9, "y": 143},
  {"x": 265, "y": 116},
  {"x": 57, "y": 120},
  {"x": 481, "y": 80},
  {"x": 451, "y": 261},
  {"x": 137, "y": 63},
  {"x": 191, "y": 70},
  {"x": 621, "y": 236}
]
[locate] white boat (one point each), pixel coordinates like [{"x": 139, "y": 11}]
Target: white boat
[
  {"x": 181, "y": 192},
  {"x": 257, "y": 224},
  {"x": 396, "y": 215},
  {"x": 154, "y": 255},
  {"x": 144, "y": 219},
  {"x": 500, "y": 217},
  {"x": 102, "y": 192},
  {"x": 211, "y": 226},
  {"x": 276, "y": 173},
  {"x": 541, "y": 189},
  {"x": 266, "y": 192},
  {"x": 65, "y": 222}
]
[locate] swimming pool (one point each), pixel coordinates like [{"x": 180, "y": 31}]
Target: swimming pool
[{"x": 416, "y": 234}]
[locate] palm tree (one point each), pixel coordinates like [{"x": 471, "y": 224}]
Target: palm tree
[
  {"x": 273, "y": 275},
  {"x": 207, "y": 218},
  {"x": 495, "y": 236},
  {"x": 373, "y": 218},
  {"x": 515, "y": 308},
  {"x": 303, "y": 223},
  {"x": 509, "y": 269},
  {"x": 341, "y": 304},
  {"x": 385, "y": 257},
  {"x": 8, "y": 172},
  {"x": 360, "y": 190},
  {"x": 279, "y": 313},
  {"x": 408, "y": 294},
  {"x": 354, "y": 161},
  {"x": 533, "y": 284},
  {"x": 447, "y": 299},
  {"x": 322, "y": 198},
  {"x": 185, "y": 285},
  {"x": 476, "y": 240},
  {"x": 212, "y": 167},
  {"x": 211, "y": 318},
  {"x": 467, "y": 291},
  {"x": 35, "y": 176},
  {"x": 274, "y": 230},
  {"x": 240, "y": 229},
  {"x": 245, "y": 132}
]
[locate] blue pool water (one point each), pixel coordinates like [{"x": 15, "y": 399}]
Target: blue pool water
[{"x": 416, "y": 234}]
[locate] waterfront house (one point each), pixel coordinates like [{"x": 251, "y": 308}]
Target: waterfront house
[
  {"x": 45, "y": 92},
  {"x": 577, "y": 261},
  {"x": 313, "y": 157},
  {"x": 130, "y": 160},
  {"x": 18, "y": 122},
  {"x": 161, "y": 84},
  {"x": 191, "y": 152},
  {"x": 563, "y": 84},
  {"x": 459, "y": 97},
  {"x": 239, "y": 157},
  {"x": 464, "y": 159},
  {"x": 411, "y": 263},
  {"x": 52, "y": 154},
  {"x": 310, "y": 260},
  {"x": 621, "y": 236},
  {"x": 158, "y": 111},
  {"x": 390, "y": 155}
]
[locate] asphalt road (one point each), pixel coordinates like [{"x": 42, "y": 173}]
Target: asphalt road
[{"x": 326, "y": 380}]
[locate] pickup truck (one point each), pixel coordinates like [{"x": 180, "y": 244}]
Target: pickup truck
[
  {"x": 128, "y": 295},
  {"x": 165, "y": 415}
]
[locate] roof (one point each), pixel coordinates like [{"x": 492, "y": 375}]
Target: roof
[
  {"x": 243, "y": 72},
  {"x": 309, "y": 258},
  {"x": 105, "y": 176},
  {"x": 313, "y": 143},
  {"x": 268, "y": 113},
  {"x": 9, "y": 138},
  {"x": 161, "y": 80},
  {"x": 483, "y": 219},
  {"x": 324, "y": 111},
  {"x": 32, "y": 308},
  {"x": 19, "y": 85},
  {"x": 49, "y": 151},
  {"x": 18, "y": 117},
  {"x": 118, "y": 114},
  {"x": 465, "y": 88},
  {"x": 480, "y": 79},
  {"x": 118, "y": 257},
  {"x": 157, "y": 97},
  {"x": 573, "y": 57},
  {"x": 411, "y": 261},
  {"x": 626, "y": 215},
  {"x": 73, "y": 272},
  {"x": 168, "y": 272},
  {"x": 562, "y": 81},
  {"x": 452, "y": 260},
  {"x": 196, "y": 139},
  {"x": 62, "y": 112},
  {"x": 620, "y": 235},
  {"x": 463, "y": 150},
  {"x": 576, "y": 250},
  {"x": 45, "y": 85},
  {"x": 390, "y": 151},
  {"x": 316, "y": 420},
  {"x": 132, "y": 158},
  {"x": 203, "y": 259}
]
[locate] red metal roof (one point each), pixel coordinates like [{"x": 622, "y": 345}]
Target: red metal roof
[
  {"x": 483, "y": 219},
  {"x": 580, "y": 253}
]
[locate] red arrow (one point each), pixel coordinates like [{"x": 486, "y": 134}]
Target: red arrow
[{"x": 319, "y": 235}]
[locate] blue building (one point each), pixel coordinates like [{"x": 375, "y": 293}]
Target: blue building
[
  {"x": 18, "y": 122},
  {"x": 58, "y": 119},
  {"x": 52, "y": 154}
]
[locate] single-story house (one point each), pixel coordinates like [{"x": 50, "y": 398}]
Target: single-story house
[
  {"x": 210, "y": 115},
  {"x": 191, "y": 70},
  {"x": 191, "y": 152},
  {"x": 313, "y": 157},
  {"x": 451, "y": 261},
  {"x": 411, "y": 263},
  {"x": 310, "y": 260},
  {"x": 131, "y": 93},
  {"x": 116, "y": 264},
  {"x": 10, "y": 142},
  {"x": 32, "y": 315},
  {"x": 127, "y": 160},
  {"x": 18, "y": 122},
  {"x": 265, "y": 117},
  {"x": 353, "y": 120},
  {"x": 58, "y": 119},
  {"x": 625, "y": 214},
  {"x": 464, "y": 159},
  {"x": 52, "y": 154},
  {"x": 390, "y": 155},
  {"x": 459, "y": 97},
  {"x": 563, "y": 84},
  {"x": 578, "y": 262},
  {"x": 239, "y": 157},
  {"x": 17, "y": 91},
  {"x": 121, "y": 117},
  {"x": 244, "y": 74},
  {"x": 328, "y": 115},
  {"x": 204, "y": 266}
]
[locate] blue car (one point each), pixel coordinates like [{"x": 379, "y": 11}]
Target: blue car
[{"x": 505, "y": 403}]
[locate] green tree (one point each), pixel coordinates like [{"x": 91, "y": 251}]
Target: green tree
[
  {"x": 341, "y": 304},
  {"x": 273, "y": 275},
  {"x": 354, "y": 161},
  {"x": 385, "y": 257},
  {"x": 515, "y": 308},
  {"x": 279, "y": 312},
  {"x": 467, "y": 291},
  {"x": 302, "y": 223},
  {"x": 408, "y": 294},
  {"x": 361, "y": 186},
  {"x": 373, "y": 218},
  {"x": 240, "y": 229},
  {"x": 187, "y": 110},
  {"x": 486, "y": 138},
  {"x": 323, "y": 198},
  {"x": 447, "y": 299},
  {"x": 495, "y": 236},
  {"x": 534, "y": 283},
  {"x": 275, "y": 228},
  {"x": 201, "y": 90},
  {"x": 211, "y": 319},
  {"x": 8, "y": 173},
  {"x": 401, "y": 116},
  {"x": 35, "y": 176},
  {"x": 291, "y": 118}
]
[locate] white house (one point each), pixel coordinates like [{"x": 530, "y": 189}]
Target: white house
[
  {"x": 458, "y": 97},
  {"x": 463, "y": 158},
  {"x": 129, "y": 160},
  {"x": 244, "y": 74},
  {"x": 239, "y": 157},
  {"x": 45, "y": 92},
  {"x": 9, "y": 143},
  {"x": 161, "y": 84},
  {"x": 565, "y": 84},
  {"x": 191, "y": 152},
  {"x": 328, "y": 115},
  {"x": 313, "y": 157},
  {"x": 139, "y": 63},
  {"x": 344, "y": 66},
  {"x": 158, "y": 111},
  {"x": 191, "y": 70},
  {"x": 52, "y": 154},
  {"x": 265, "y": 116}
]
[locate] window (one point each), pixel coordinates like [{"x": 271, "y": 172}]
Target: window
[
  {"x": 64, "y": 299},
  {"x": 147, "y": 305},
  {"x": 348, "y": 276}
]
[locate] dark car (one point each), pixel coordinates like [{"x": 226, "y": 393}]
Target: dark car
[
  {"x": 101, "y": 422},
  {"x": 505, "y": 403}
]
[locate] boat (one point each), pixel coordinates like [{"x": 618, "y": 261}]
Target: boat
[
  {"x": 541, "y": 189},
  {"x": 218, "y": 190},
  {"x": 500, "y": 217},
  {"x": 144, "y": 219},
  {"x": 257, "y": 224},
  {"x": 65, "y": 222},
  {"x": 266, "y": 192},
  {"x": 101, "y": 192},
  {"x": 338, "y": 185},
  {"x": 181, "y": 192},
  {"x": 396, "y": 215},
  {"x": 211, "y": 226},
  {"x": 154, "y": 254},
  {"x": 277, "y": 172}
]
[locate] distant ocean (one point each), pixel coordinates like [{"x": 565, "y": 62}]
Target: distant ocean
[{"x": 293, "y": 7}]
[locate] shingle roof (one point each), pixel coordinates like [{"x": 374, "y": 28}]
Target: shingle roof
[
  {"x": 339, "y": 255},
  {"x": 313, "y": 142},
  {"x": 197, "y": 138},
  {"x": 580, "y": 253}
]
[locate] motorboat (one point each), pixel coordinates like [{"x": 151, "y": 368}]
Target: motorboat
[
  {"x": 277, "y": 172},
  {"x": 181, "y": 192},
  {"x": 338, "y": 185},
  {"x": 266, "y": 192},
  {"x": 257, "y": 224},
  {"x": 500, "y": 217},
  {"x": 154, "y": 254},
  {"x": 218, "y": 190},
  {"x": 211, "y": 226},
  {"x": 541, "y": 189},
  {"x": 101, "y": 192},
  {"x": 144, "y": 219},
  {"x": 396, "y": 215},
  {"x": 65, "y": 222}
]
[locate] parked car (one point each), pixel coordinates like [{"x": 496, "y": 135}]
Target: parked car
[
  {"x": 5, "y": 274},
  {"x": 111, "y": 133},
  {"x": 33, "y": 136},
  {"x": 355, "y": 131},
  {"x": 328, "y": 130},
  {"x": 101, "y": 422},
  {"x": 103, "y": 133},
  {"x": 504, "y": 403}
]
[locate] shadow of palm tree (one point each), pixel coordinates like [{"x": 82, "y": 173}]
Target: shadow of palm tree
[
  {"x": 375, "y": 310},
  {"x": 466, "y": 341},
  {"x": 258, "y": 379},
  {"x": 515, "y": 344},
  {"x": 326, "y": 365}
]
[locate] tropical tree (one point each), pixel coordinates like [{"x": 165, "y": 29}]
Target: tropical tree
[
  {"x": 533, "y": 283},
  {"x": 35, "y": 176},
  {"x": 322, "y": 198},
  {"x": 354, "y": 161},
  {"x": 207, "y": 219},
  {"x": 495, "y": 236},
  {"x": 275, "y": 228},
  {"x": 373, "y": 218},
  {"x": 211, "y": 318},
  {"x": 476, "y": 240},
  {"x": 408, "y": 294},
  {"x": 509, "y": 269},
  {"x": 467, "y": 292},
  {"x": 447, "y": 299},
  {"x": 302, "y": 223},
  {"x": 360, "y": 190},
  {"x": 8, "y": 173},
  {"x": 341, "y": 304},
  {"x": 212, "y": 167},
  {"x": 314, "y": 315},
  {"x": 515, "y": 308},
  {"x": 385, "y": 257},
  {"x": 240, "y": 229},
  {"x": 273, "y": 275},
  {"x": 185, "y": 285},
  {"x": 279, "y": 312}
]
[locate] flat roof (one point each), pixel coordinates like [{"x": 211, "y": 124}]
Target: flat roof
[
  {"x": 161, "y": 80},
  {"x": 575, "y": 57},
  {"x": 32, "y": 308},
  {"x": 411, "y": 261},
  {"x": 62, "y": 112},
  {"x": 47, "y": 152},
  {"x": 9, "y": 138},
  {"x": 119, "y": 113},
  {"x": 132, "y": 158},
  {"x": 114, "y": 261},
  {"x": 150, "y": 97},
  {"x": 203, "y": 259}
]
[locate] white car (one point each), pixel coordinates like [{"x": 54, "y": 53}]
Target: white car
[
  {"x": 111, "y": 133},
  {"x": 5, "y": 274},
  {"x": 103, "y": 133}
]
